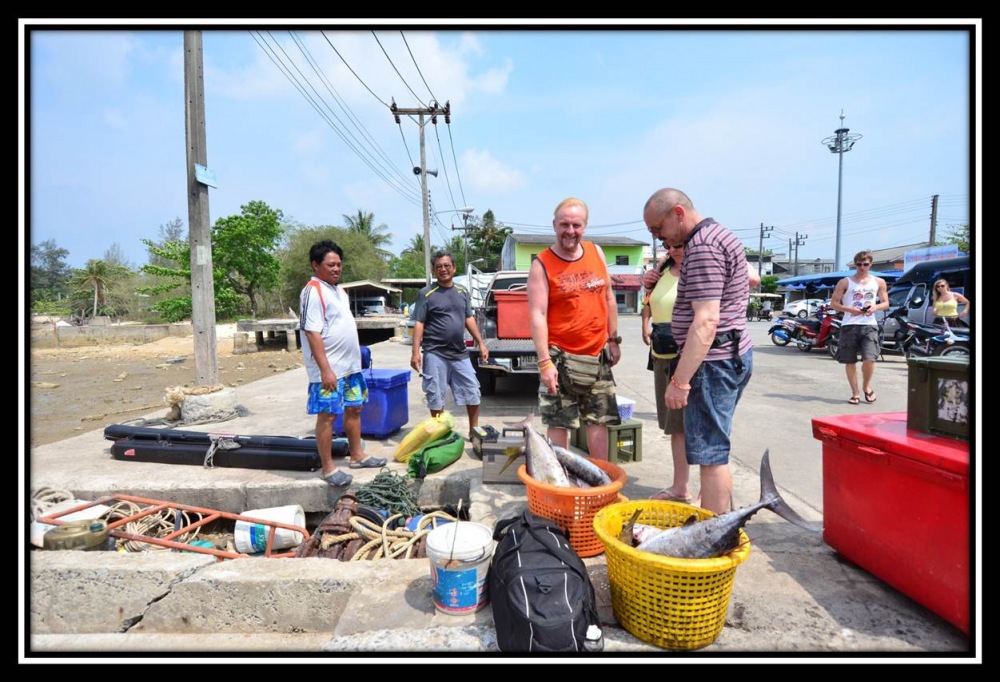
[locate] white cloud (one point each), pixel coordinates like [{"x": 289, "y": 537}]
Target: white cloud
[{"x": 484, "y": 172}]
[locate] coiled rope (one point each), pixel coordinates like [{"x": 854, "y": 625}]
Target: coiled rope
[
  {"x": 383, "y": 541},
  {"x": 158, "y": 525},
  {"x": 391, "y": 492}
]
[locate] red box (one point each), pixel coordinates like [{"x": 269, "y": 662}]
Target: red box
[
  {"x": 513, "y": 318},
  {"x": 896, "y": 503}
]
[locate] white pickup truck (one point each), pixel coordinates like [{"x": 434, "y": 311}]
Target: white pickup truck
[{"x": 504, "y": 324}]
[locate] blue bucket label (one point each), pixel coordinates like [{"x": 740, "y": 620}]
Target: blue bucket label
[{"x": 459, "y": 591}]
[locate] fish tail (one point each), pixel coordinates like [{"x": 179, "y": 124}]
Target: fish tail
[{"x": 771, "y": 498}]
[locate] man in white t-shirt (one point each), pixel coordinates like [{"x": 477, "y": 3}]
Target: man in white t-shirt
[
  {"x": 858, "y": 297},
  {"x": 332, "y": 355}
]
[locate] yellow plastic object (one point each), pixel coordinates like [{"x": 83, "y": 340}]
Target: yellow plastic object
[
  {"x": 672, "y": 603},
  {"x": 574, "y": 508},
  {"x": 424, "y": 433}
]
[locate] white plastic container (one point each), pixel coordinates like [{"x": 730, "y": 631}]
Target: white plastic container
[
  {"x": 251, "y": 538},
  {"x": 460, "y": 556}
]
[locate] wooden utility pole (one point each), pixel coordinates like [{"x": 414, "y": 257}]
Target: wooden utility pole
[
  {"x": 206, "y": 364},
  {"x": 934, "y": 205}
]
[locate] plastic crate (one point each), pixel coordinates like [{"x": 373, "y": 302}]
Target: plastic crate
[
  {"x": 513, "y": 318},
  {"x": 574, "y": 508},
  {"x": 624, "y": 441},
  {"x": 388, "y": 406},
  {"x": 669, "y": 602}
]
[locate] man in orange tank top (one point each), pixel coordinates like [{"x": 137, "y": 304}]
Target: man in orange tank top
[{"x": 574, "y": 321}]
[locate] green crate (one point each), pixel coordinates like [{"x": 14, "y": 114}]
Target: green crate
[
  {"x": 624, "y": 441},
  {"x": 938, "y": 396}
]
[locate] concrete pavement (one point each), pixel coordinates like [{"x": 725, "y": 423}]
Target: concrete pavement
[{"x": 793, "y": 596}]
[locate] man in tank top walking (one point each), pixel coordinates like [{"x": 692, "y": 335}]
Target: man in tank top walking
[{"x": 859, "y": 297}]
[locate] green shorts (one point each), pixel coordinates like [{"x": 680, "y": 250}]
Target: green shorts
[{"x": 596, "y": 405}]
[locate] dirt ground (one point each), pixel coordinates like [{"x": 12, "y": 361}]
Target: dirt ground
[{"x": 73, "y": 390}]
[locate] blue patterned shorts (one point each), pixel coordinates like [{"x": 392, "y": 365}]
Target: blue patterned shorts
[{"x": 352, "y": 391}]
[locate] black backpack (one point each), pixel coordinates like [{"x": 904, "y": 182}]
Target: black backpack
[{"x": 540, "y": 590}]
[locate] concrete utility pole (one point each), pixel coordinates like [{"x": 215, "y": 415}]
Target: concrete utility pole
[
  {"x": 206, "y": 364},
  {"x": 934, "y": 205},
  {"x": 838, "y": 144},
  {"x": 764, "y": 234},
  {"x": 421, "y": 170},
  {"x": 799, "y": 241}
]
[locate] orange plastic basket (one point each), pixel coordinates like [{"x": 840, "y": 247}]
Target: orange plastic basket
[
  {"x": 574, "y": 508},
  {"x": 669, "y": 602}
]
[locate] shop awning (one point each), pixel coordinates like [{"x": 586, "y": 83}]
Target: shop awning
[{"x": 626, "y": 282}]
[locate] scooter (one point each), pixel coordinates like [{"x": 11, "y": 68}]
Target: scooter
[
  {"x": 924, "y": 340},
  {"x": 783, "y": 330},
  {"x": 807, "y": 334}
]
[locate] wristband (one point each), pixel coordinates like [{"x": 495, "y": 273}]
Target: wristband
[
  {"x": 545, "y": 364},
  {"x": 685, "y": 387}
]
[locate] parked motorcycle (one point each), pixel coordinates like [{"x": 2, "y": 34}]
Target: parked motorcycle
[
  {"x": 807, "y": 334},
  {"x": 915, "y": 339}
]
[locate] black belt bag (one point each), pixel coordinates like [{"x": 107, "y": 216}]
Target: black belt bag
[
  {"x": 662, "y": 339},
  {"x": 734, "y": 336}
]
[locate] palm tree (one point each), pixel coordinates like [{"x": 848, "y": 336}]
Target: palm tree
[
  {"x": 98, "y": 275},
  {"x": 364, "y": 224}
]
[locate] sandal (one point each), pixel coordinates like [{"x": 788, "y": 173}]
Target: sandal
[
  {"x": 667, "y": 496},
  {"x": 370, "y": 463},
  {"x": 855, "y": 400},
  {"x": 337, "y": 478},
  {"x": 870, "y": 396}
]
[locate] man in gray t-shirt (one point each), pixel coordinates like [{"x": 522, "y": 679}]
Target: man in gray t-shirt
[{"x": 442, "y": 313}]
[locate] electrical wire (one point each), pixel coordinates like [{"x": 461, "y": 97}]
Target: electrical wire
[
  {"x": 397, "y": 71},
  {"x": 417, "y": 66}
]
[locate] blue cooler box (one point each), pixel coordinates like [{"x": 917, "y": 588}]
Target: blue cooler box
[{"x": 388, "y": 406}]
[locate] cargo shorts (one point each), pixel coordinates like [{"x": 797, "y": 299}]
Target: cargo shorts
[
  {"x": 595, "y": 406},
  {"x": 858, "y": 339}
]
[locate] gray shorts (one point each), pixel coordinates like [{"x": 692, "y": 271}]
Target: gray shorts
[
  {"x": 440, "y": 374},
  {"x": 670, "y": 421},
  {"x": 858, "y": 339}
]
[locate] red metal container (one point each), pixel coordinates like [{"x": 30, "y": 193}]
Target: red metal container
[
  {"x": 513, "y": 318},
  {"x": 896, "y": 503}
]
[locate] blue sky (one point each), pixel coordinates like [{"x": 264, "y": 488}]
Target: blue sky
[{"x": 733, "y": 115}]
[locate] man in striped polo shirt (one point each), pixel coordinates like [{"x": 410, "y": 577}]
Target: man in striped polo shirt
[{"x": 709, "y": 324}]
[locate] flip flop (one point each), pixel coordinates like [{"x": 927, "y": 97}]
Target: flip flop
[
  {"x": 870, "y": 396},
  {"x": 855, "y": 400},
  {"x": 370, "y": 463},
  {"x": 338, "y": 478},
  {"x": 667, "y": 496}
]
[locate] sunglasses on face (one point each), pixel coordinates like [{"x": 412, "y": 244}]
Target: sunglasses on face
[
  {"x": 942, "y": 286},
  {"x": 675, "y": 246},
  {"x": 864, "y": 265}
]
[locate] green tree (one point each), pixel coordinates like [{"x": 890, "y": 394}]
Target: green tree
[
  {"x": 364, "y": 224},
  {"x": 173, "y": 231},
  {"x": 243, "y": 250},
  {"x": 176, "y": 280},
  {"x": 486, "y": 241},
  {"x": 769, "y": 284},
  {"x": 361, "y": 261},
  {"x": 50, "y": 273},
  {"x": 959, "y": 237},
  {"x": 98, "y": 276}
]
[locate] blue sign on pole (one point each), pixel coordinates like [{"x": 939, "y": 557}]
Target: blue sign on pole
[{"x": 205, "y": 176}]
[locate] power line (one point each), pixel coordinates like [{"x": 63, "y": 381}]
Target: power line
[
  {"x": 417, "y": 66},
  {"x": 385, "y": 104},
  {"x": 397, "y": 71}
]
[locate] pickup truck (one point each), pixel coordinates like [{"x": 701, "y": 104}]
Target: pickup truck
[{"x": 503, "y": 322}]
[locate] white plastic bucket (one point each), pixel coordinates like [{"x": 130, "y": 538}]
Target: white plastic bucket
[
  {"x": 460, "y": 556},
  {"x": 251, "y": 538}
]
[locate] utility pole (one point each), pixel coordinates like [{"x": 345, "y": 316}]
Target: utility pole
[
  {"x": 934, "y": 205},
  {"x": 838, "y": 144},
  {"x": 764, "y": 234},
  {"x": 465, "y": 237},
  {"x": 799, "y": 241},
  {"x": 422, "y": 171},
  {"x": 206, "y": 364}
]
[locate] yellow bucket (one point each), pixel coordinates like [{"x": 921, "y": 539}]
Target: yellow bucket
[{"x": 672, "y": 603}]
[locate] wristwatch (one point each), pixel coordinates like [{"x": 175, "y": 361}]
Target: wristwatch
[{"x": 615, "y": 339}]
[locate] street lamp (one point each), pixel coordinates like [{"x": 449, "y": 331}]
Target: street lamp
[
  {"x": 839, "y": 143},
  {"x": 466, "y": 212}
]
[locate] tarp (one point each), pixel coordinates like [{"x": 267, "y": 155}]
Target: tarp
[{"x": 626, "y": 282}]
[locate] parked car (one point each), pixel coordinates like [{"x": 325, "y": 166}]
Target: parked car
[{"x": 803, "y": 307}]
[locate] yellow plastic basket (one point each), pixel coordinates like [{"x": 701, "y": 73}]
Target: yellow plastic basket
[{"x": 673, "y": 603}]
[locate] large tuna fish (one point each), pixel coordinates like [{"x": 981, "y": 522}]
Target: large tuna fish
[
  {"x": 720, "y": 534},
  {"x": 540, "y": 461}
]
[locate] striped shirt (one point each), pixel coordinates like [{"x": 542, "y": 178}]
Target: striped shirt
[{"x": 714, "y": 268}]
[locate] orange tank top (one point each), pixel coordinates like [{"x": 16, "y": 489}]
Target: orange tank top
[{"x": 578, "y": 301}]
